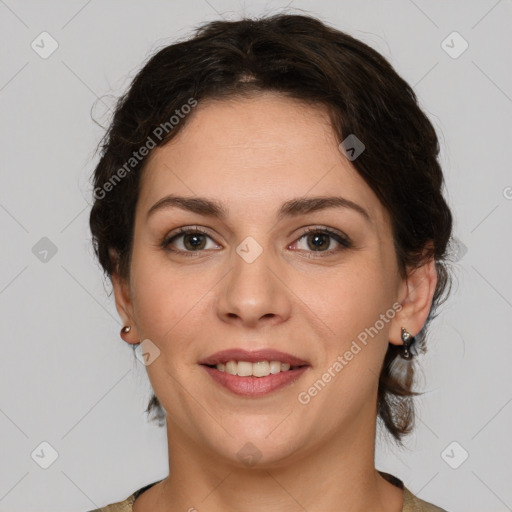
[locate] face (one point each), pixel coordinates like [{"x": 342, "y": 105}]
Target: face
[{"x": 279, "y": 270}]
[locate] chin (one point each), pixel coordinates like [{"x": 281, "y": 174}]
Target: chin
[{"x": 258, "y": 444}]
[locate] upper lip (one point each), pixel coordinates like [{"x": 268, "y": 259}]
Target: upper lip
[{"x": 239, "y": 354}]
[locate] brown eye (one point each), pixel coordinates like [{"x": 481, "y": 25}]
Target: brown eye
[
  {"x": 323, "y": 240},
  {"x": 193, "y": 241},
  {"x": 318, "y": 241},
  {"x": 187, "y": 241}
]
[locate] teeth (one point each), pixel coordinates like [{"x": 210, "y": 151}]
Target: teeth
[
  {"x": 260, "y": 369},
  {"x": 247, "y": 369},
  {"x": 275, "y": 366},
  {"x": 231, "y": 367},
  {"x": 244, "y": 369}
]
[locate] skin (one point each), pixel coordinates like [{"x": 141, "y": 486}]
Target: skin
[{"x": 253, "y": 154}]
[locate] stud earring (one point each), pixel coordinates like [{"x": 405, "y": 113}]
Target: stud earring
[
  {"x": 126, "y": 329},
  {"x": 408, "y": 340}
]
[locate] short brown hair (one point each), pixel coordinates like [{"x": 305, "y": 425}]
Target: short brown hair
[{"x": 300, "y": 57}]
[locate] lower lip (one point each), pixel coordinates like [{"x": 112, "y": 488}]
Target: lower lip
[{"x": 255, "y": 386}]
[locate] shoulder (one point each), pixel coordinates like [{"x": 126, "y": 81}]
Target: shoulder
[
  {"x": 414, "y": 504},
  {"x": 127, "y": 504},
  {"x": 411, "y": 502},
  {"x": 120, "y": 506}
]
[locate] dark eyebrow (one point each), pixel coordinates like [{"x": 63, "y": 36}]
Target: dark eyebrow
[
  {"x": 291, "y": 208},
  {"x": 303, "y": 205},
  {"x": 199, "y": 205}
]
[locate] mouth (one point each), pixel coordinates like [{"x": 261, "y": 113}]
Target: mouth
[
  {"x": 258, "y": 369},
  {"x": 254, "y": 373}
]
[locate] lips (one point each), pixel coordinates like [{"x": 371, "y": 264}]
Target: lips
[
  {"x": 238, "y": 354},
  {"x": 254, "y": 387},
  {"x": 260, "y": 383}
]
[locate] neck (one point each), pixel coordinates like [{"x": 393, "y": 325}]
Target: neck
[{"x": 336, "y": 475}]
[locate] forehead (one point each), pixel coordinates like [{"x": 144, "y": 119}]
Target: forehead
[{"x": 258, "y": 151}]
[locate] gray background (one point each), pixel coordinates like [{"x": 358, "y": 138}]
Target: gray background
[{"x": 66, "y": 376}]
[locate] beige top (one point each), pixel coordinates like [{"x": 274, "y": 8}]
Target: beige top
[{"x": 411, "y": 502}]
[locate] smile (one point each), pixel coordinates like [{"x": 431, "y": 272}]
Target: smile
[
  {"x": 253, "y": 373},
  {"x": 258, "y": 369},
  {"x": 254, "y": 385}
]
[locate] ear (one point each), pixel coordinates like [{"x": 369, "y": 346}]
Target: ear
[
  {"x": 123, "y": 300},
  {"x": 415, "y": 295}
]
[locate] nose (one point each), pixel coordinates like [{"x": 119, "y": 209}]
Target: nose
[{"x": 254, "y": 291}]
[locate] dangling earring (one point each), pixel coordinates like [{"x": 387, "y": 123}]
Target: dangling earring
[
  {"x": 126, "y": 329},
  {"x": 408, "y": 340}
]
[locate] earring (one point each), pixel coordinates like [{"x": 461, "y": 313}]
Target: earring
[
  {"x": 126, "y": 329},
  {"x": 408, "y": 341}
]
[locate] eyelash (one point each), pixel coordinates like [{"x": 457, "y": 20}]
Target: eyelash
[{"x": 342, "y": 240}]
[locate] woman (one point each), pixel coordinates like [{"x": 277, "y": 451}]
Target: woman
[{"x": 268, "y": 206}]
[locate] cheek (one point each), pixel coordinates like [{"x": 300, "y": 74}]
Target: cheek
[
  {"x": 171, "y": 305},
  {"x": 350, "y": 302},
  {"x": 350, "y": 298},
  {"x": 162, "y": 298}
]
